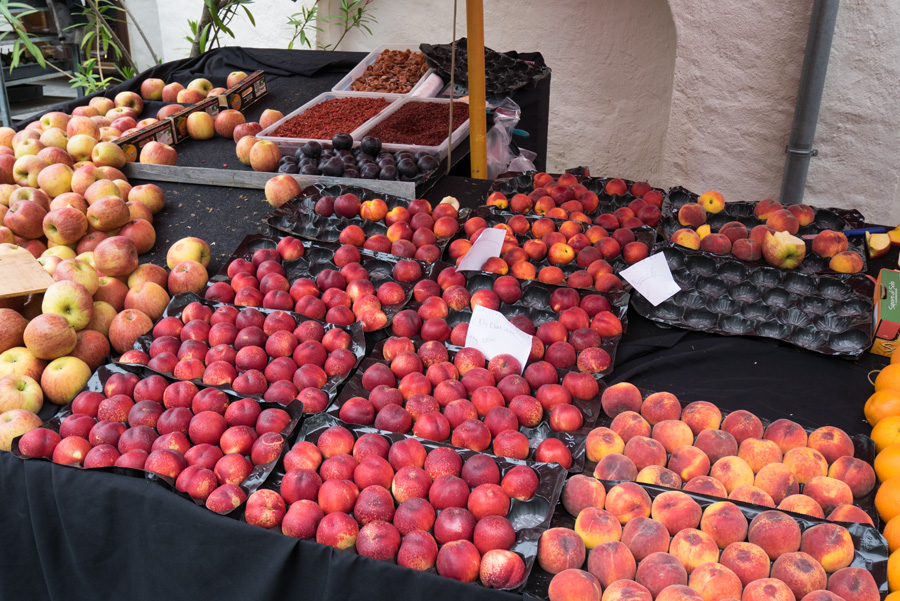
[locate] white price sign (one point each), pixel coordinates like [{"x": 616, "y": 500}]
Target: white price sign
[{"x": 492, "y": 334}]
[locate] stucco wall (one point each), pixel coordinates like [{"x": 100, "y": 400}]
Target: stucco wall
[{"x": 697, "y": 93}]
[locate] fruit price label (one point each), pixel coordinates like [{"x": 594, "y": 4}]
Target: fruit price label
[
  {"x": 492, "y": 334},
  {"x": 652, "y": 278},
  {"x": 488, "y": 245}
]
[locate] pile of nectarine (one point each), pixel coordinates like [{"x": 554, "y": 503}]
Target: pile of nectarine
[
  {"x": 653, "y": 439},
  {"x": 338, "y": 285},
  {"x": 263, "y": 353},
  {"x": 395, "y": 498},
  {"x": 208, "y": 442},
  {"x": 361, "y": 218},
  {"x": 635, "y": 542}
]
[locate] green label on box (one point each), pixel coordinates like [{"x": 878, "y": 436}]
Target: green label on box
[{"x": 890, "y": 301}]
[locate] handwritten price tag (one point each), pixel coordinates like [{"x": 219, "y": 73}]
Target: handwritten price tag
[
  {"x": 488, "y": 245},
  {"x": 492, "y": 334},
  {"x": 652, "y": 278}
]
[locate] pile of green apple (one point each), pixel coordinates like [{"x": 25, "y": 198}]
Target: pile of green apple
[{"x": 51, "y": 343}]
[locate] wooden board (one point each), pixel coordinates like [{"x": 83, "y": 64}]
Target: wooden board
[
  {"x": 21, "y": 274},
  {"x": 256, "y": 180}
]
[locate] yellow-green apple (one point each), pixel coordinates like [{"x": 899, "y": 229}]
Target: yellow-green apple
[
  {"x": 100, "y": 189},
  {"x": 129, "y": 100},
  {"x": 65, "y": 225},
  {"x": 140, "y": 232},
  {"x": 85, "y": 111},
  {"x": 109, "y": 134},
  {"x": 112, "y": 290},
  {"x": 54, "y": 119},
  {"x": 108, "y": 213},
  {"x": 92, "y": 348},
  {"x": 781, "y": 249},
  {"x": 54, "y": 155},
  {"x": 6, "y": 235},
  {"x": 123, "y": 123},
  {"x": 166, "y": 111},
  {"x": 12, "y": 326},
  {"x": 243, "y": 148},
  {"x": 107, "y": 153},
  {"x": 189, "y": 96},
  {"x": 102, "y": 104},
  {"x": 61, "y": 252},
  {"x": 148, "y": 297},
  {"x": 119, "y": 112},
  {"x": 200, "y": 84},
  {"x": 14, "y": 423},
  {"x": 54, "y": 137},
  {"x": 215, "y": 92},
  {"x": 80, "y": 146},
  {"x": 6, "y": 136},
  {"x": 251, "y": 128},
  {"x": 102, "y": 317},
  {"x": 89, "y": 242},
  {"x": 32, "y": 194},
  {"x": 116, "y": 256},
  {"x": 148, "y": 272},
  {"x": 170, "y": 91},
  {"x": 111, "y": 173},
  {"x": 233, "y": 78},
  {"x": 28, "y": 146},
  {"x": 18, "y": 391},
  {"x": 19, "y": 360},
  {"x": 149, "y": 195},
  {"x": 88, "y": 257},
  {"x": 83, "y": 177},
  {"x": 201, "y": 125},
  {"x": 63, "y": 378},
  {"x": 76, "y": 270},
  {"x": 25, "y": 218},
  {"x": 145, "y": 122},
  {"x": 126, "y": 327},
  {"x": 187, "y": 276},
  {"x": 101, "y": 122},
  {"x": 264, "y": 156},
  {"x": 139, "y": 211},
  {"x": 26, "y": 170},
  {"x": 281, "y": 189},
  {"x": 191, "y": 248},
  {"x": 49, "y": 263},
  {"x": 82, "y": 126},
  {"x": 124, "y": 188},
  {"x": 55, "y": 179},
  {"x": 270, "y": 117},
  {"x": 25, "y": 134},
  {"x": 6, "y": 168},
  {"x": 71, "y": 300},
  {"x": 227, "y": 120},
  {"x": 157, "y": 153},
  {"x": 151, "y": 88},
  {"x": 49, "y": 336}
]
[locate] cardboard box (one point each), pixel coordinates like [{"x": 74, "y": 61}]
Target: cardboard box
[
  {"x": 887, "y": 313},
  {"x": 245, "y": 92}
]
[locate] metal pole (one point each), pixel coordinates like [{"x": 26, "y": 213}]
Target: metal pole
[
  {"x": 809, "y": 98},
  {"x": 477, "y": 117}
]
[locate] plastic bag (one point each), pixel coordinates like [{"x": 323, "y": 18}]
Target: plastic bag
[{"x": 502, "y": 153}]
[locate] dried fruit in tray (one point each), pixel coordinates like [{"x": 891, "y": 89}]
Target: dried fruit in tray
[
  {"x": 331, "y": 116},
  {"x": 366, "y": 219},
  {"x": 263, "y": 353},
  {"x": 830, "y": 314},
  {"x": 339, "y": 484},
  {"x": 394, "y": 71},
  {"x": 199, "y": 441}
]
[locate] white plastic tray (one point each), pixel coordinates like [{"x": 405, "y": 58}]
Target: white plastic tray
[
  {"x": 290, "y": 145},
  {"x": 441, "y": 150},
  {"x": 344, "y": 84}
]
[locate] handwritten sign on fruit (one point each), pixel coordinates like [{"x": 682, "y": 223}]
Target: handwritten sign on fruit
[
  {"x": 652, "y": 278},
  {"x": 492, "y": 334},
  {"x": 488, "y": 245}
]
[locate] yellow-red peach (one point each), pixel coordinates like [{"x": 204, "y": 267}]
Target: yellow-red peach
[
  {"x": 850, "y": 513},
  {"x": 601, "y": 442},
  {"x": 802, "y": 504},
  {"x": 742, "y": 424},
  {"x": 732, "y": 472},
  {"x": 778, "y": 480},
  {"x": 725, "y": 523},
  {"x": 701, "y": 415},
  {"x": 715, "y": 582},
  {"x": 786, "y": 434},
  {"x": 661, "y": 476},
  {"x": 644, "y": 536},
  {"x": 783, "y": 221},
  {"x": 645, "y": 451},
  {"x": 829, "y": 243},
  {"x": 611, "y": 561},
  {"x": 574, "y": 585},
  {"x": 828, "y": 492},
  {"x": 626, "y": 590},
  {"x": 748, "y": 561},
  {"x": 706, "y": 485},
  {"x": 767, "y": 589},
  {"x": 855, "y": 473},
  {"x": 775, "y": 532},
  {"x": 621, "y": 397},
  {"x": 560, "y": 549},
  {"x": 686, "y": 237},
  {"x": 580, "y": 492},
  {"x": 854, "y": 584},
  {"x": 629, "y": 424},
  {"x": 848, "y": 261},
  {"x": 672, "y": 433},
  {"x": 627, "y": 501},
  {"x": 693, "y": 548},
  {"x": 660, "y": 570},
  {"x": 660, "y": 406},
  {"x": 832, "y": 442},
  {"x": 689, "y": 462},
  {"x": 615, "y": 466},
  {"x": 806, "y": 463},
  {"x": 801, "y": 572},
  {"x": 596, "y": 526},
  {"x": 830, "y": 544},
  {"x": 747, "y": 493},
  {"x": 758, "y": 453},
  {"x": 716, "y": 444},
  {"x": 676, "y": 511}
]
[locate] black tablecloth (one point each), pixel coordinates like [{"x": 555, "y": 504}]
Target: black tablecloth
[{"x": 75, "y": 534}]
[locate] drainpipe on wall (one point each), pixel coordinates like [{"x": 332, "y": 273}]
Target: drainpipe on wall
[{"x": 809, "y": 98}]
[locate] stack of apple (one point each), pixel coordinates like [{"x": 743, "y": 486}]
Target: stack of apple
[
  {"x": 341, "y": 291},
  {"x": 206, "y": 441},
  {"x": 568, "y": 198},
  {"x": 775, "y": 239},
  {"x": 574, "y": 254},
  {"x": 473, "y": 403},
  {"x": 410, "y": 230},
  {"x": 653, "y": 439},
  {"x": 579, "y": 333},
  {"x": 631, "y": 542},
  {"x": 427, "y": 507},
  {"x": 267, "y": 353}
]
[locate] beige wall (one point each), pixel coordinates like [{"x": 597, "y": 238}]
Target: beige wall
[{"x": 697, "y": 93}]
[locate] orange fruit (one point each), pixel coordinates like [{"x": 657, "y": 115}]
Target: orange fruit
[
  {"x": 886, "y": 431},
  {"x": 888, "y": 378},
  {"x": 887, "y": 462},
  {"x": 895, "y": 358},
  {"x": 892, "y": 534},
  {"x": 883, "y": 403},
  {"x": 893, "y": 596},
  {"x": 887, "y": 501},
  {"x": 894, "y": 571}
]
